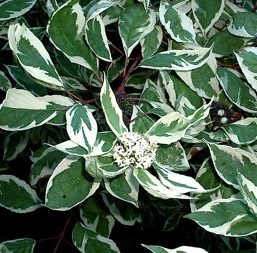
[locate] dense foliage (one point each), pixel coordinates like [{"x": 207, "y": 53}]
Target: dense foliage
[{"x": 130, "y": 110}]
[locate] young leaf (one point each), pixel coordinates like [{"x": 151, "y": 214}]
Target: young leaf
[
  {"x": 112, "y": 111},
  {"x": 24, "y": 245},
  {"x": 134, "y": 24},
  {"x": 81, "y": 126},
  {"x": 69, "y": 185},
  {"x": 17, "y": 196},
  {"x": 237, "y": 91},
  {"x": 97, "y": 39},
  {"x": 5, "y": 83},
  {"x": 246, "y": 60},
  {"x": 228, "y": 217},
  {"x": 177, "y": 24},
  {"x": 33, "y": 56},
  {"x": 66, "y": 24},
  {"x": 179, "y": 60},
  {"x": 184, "y": 249},
  {"x": 86, "y": 240},
  {"x": 207, "y": 13},
  {"x": 12, "y": 9}
]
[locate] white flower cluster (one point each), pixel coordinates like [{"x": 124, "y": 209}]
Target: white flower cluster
[{"x": 135, "y": 149}]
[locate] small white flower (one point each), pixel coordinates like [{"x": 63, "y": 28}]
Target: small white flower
[{"x": 135, "y": 149}]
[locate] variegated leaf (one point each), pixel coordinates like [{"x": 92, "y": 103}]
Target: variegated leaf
[
  {"x": 177, "y": 24},
  {"x": 5, "y": 83},
  {"x": 96, "y": 216},
  {"x": 134, "y": 24},
  {"x": 247, "y": 61},
  {"x": 10, "y": 9},
  {"x": 81, "y": 126},
  {"x": 125, "y": 213},
  {"x": 86, "y": 240},
  {"x": 97, "y": 39},
  {"x": 124, "y": 187},
  {"x": 17, "y": 196},
  {"x": 207, "y": 13},
  {"x": 203, "y": 79},
  {"x": 112, "y": 14},
  {"x": 20, "y": 245},
  {"x": 228, "y": 217},
  {"x": 151, "y": 42},
  {"x": 179, "y": 60},
  {"x": 184, "y": 249},
  {"x": 67, "y": 23},
  {"x": 63, "y": 190},
  {"x": 243, "y": 24},
  {"x": 228, "y": 160},
  {"x": 112, "y": 111},
  {"x": 237, "y": 91},
  {"x": 154, "y": 186},
  {"x": 21, "y": 110},
  {"x": 33, "y": 56}
]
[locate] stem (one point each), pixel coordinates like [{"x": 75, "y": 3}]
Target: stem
[
  {"x": 83, "y": 102},
  {"x": 117, "y": 49},
  {"x": 231, "y": 66}
]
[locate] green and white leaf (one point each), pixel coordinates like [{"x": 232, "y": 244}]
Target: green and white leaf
[
  {"x": 69, "y": 185},
  {"x": 96, "y": 216},
  {"x": 112, "y": 111},
  {"x": 81, "y": 126},
  {"x": 206, "y": 13},
  {"x": 17, "y": 196},
  {"x": 97, "y": 39},
  {"x": 5, "y": 83},
  {"x": 247, "y": 62},
  {"x": 67, "y": 23},
  {"x": 24, "y": 245},
  {"x": 228, "y": 217},
  {"x": 179, "y": 60},
  {"x": 21, "y": 110},
  {"x": 151, "y": 42},
  {"x": 86, "y": 240},
  {"x": 72, "y": 84},
  {"x": 134, "y": 24},
  {"x": 44, "y": 162},
  {"x": 182, "y": 249},
  {"x": 241, "y": 94},
  {"x": 11, "y": 9},
  {"x": 14, "y": 144},
  {"x": 178, "y": 25},
  {"x": 124, "y": 187},
  {"x": 243, "y": 24},
  {"x": 124, "y": 212},
  {"x": 112, "y": 14},
  {"x": 33, "y": 56}
]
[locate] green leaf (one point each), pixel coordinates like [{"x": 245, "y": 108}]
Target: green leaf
[
  {"x": 96, "y": 216},
  {"x": 134, "y": 24},
  {"x": 177, "y": 24},
  {"x": 171, "y": 157},
  {"x": 24, "y": 245},
  {"x": 179, "y": 60},
  {"x": 33, "y": 56},
  {"x": 237, "y": 91},
  {"x": 81, "y": 126},
  {"x": 66, "y": 24},
  {"x": 21, "y": 110},
  {"x": 14, "y": 144},
  {"x": 181, "y": 249},
  {"x": 97, "y": 39},
  {"x": 12, "y": 9},
  {"x": 124, "y": 187},
  {"x": 247, "y": 62},
  {"x": 228, "y": 217},
  {"x": 207, "y": 13},
  {"x": 243, "y": 24},
  {"x": 112, "y": 111},
  {"x": 44, "y": 161},
  {"x": 87, "y": 240},
  {"x": 69, "y": 185},
  {"x": 5, "y": 83},
  {"x": 17, "y": 196},
  {"x": 124, "y": 212}
]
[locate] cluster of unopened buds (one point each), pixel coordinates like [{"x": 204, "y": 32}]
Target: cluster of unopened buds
[{"x": 134, "y": 149}]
